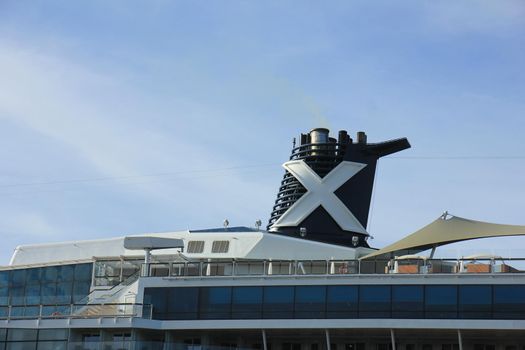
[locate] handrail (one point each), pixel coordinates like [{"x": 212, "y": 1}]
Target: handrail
[
  {"x": 68, "y": 311},
  {"x": 403, "y": 265}
]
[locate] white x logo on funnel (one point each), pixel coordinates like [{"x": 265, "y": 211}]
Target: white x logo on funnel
[{"x": 320, "y": 191}]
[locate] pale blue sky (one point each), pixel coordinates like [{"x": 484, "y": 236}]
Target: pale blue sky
[{"x": 110, "y": 91}]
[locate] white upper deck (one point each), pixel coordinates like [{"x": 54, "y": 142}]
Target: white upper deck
[{"x": 243, "y": 243}]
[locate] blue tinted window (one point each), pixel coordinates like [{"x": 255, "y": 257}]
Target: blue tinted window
[
  {"x": 4, "y": 296},
  {"x": 17, "y": 296},
  {"x": 247, "y": 302},
  {"x": 32, "y": 294},
  {"x": 66, "y": 273},
  {"x": 310, "y": 301},
  {"x": 48, "y": 292},
  {"x": 278, "y": 302},
  {"x": 407, "y": 301},
  {"x": 441, "y": 301},
  {"x": 158, "y": 299},
  {"x": 509, "y": 302},
  {"x": 215, "y": 302},
  {"x": 33, "y": 276},
  {"x": 83, "y": 272},
  {"x": 49, "y": 274},
  {"x": 80, "y": 290},
  {"x": 183, "y": 303},
  {"x": 341, "y": 301},
  {"x": 64, "y": 290},
  {"x": 374, "y": 301},
  {"x": 475, "y": 301},
  {"x": 18, "y": 277},
  {"x": 4, "y": 278}
]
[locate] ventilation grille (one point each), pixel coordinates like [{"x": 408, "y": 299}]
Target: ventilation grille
[
  {"x": 220, "y": 246},
  {"x": 195, "y": 247}
]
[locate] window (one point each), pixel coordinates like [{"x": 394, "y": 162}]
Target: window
[
  {"x": 247, "y": 302},
  {"x": 509, "y": 301},
  {"x": 215, "y": 302},
  {"x": 407, "y": 301},
  {"x": 341, "y": 301},
  {"x": 310, "y": 301},
  {"x": 374, "y": 301},
  {"x": 475, "y": 301},
  {"x": 278, "y": 302},
  {"x": 158, "y": 299},
  {"x": 441, "y": 301},
  {"x": 183, "y": 303},
  {"x": 195, "y": 247},
  {"x": 220, "y": 246}
]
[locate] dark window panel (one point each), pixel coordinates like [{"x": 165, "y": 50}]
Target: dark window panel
[
  {"x": 21, "y": 346},
  {"x": 80, "y": 290},
  {"x": 441, "y": 301},
  {"x": 32, "y": 293},
  {"x": 183, "y": 303},
  {"x": 278, "y": 302},
  {"x": 18, "y": 334},
  {"x": 407, "y": 301},
  {"x": 342, "y": 301},
  {"x": 52, "y": 345},
  {"x": 310, "y": 301},
  {"x": 64, "y": 292},
  {"x": 158, "y": 299},
  {"x": 374, "y": 301},
  {"x": 33, "y": 276},
  {"x": 475, "y": 301},
  {"x": 247, "y": 302},
  {"x": 509, "y": 301},
  {"x": 17, "y": 296},
  {"x": 4, "y": 296},
  {"x": 18, "y": 277},
  {"x": 4, "y": 278},
  {"x": 53, "y": 334},
  {"x": 215, "y": 302},
  {"x": 49, "y": 274},
  {"x": 66, "y": 273},
  {"x": 83, "y": 272},
  {"x": 48, "y": 293}
]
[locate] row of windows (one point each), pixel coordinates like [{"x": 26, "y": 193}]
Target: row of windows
[
  {"x": 56, "y": 285},
  {"x": 63, "y": 273},
  {"x": 366, "y": 301}
]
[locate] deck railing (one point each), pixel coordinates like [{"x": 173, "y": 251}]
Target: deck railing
[
  {"x": 44, "y": 311},
  {"x": 242, "y": 268}
]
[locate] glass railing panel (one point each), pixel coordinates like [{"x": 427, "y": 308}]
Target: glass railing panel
[
  {"x": 312, "y": 267},
  {"x": 217, "y": 269},
  {"x": 280, "y": 267},
  {"x": 193, "y": 269},
  {"x": 243, "y": 268}
]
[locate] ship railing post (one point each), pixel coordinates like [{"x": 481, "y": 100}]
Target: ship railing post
[
  {"x": 460, "y": 340},
  {"x": 265, "y": 345},
  {"x": 393, "y": 339},
  {"x": 327, "y": 336}
]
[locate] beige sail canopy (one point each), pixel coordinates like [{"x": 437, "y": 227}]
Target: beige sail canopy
[{"x": 447, "y": 229}]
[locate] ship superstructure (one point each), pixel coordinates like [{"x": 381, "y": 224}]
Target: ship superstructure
[{"x": 309, "y": 282}]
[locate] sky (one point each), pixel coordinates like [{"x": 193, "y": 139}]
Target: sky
[{"x": 129, "y": 117}]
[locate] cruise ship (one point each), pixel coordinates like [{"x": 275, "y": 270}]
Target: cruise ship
[{"x": 308, "y": 280}]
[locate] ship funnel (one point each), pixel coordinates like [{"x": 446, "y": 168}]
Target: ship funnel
[{"x": 334, "y": 209}]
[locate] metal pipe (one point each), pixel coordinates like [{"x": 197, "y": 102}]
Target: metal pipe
[
  {"x": 327, "y": 335},
  {"x": 263, "y": 333},
  {"x": 460, "y": 340},
  {"x": 393, "y": 339}
]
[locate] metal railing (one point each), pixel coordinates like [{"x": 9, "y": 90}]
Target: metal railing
[
  {"x": 333, "y": 267},
  {"x": 113, "y": 310}
]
